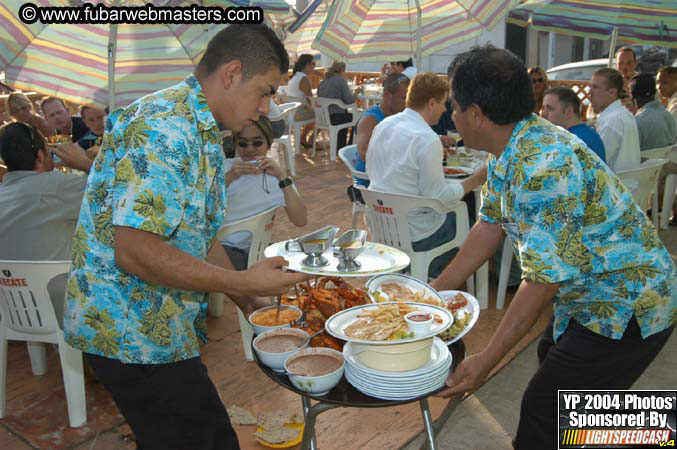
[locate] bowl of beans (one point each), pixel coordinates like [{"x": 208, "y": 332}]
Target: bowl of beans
[{"x": 266, "y": 319}]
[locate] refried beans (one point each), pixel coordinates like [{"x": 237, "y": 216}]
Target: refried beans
[
  {"x": 314, "y": 365},
  {"x": 280, "y": 343}
]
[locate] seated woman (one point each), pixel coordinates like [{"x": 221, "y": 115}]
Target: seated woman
[
  {"x": 21, "y": 109},
  {"x": 335, "y": 86},
  {"x": 539, "y": 81},
  {"x": 299, "y": 86},
  {"x": 256, "y": 183}
]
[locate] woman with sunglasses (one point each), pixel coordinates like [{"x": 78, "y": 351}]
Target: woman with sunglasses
[
  {"x": 21, "y": 109},
  {"x": 539, "y": 82},
  {"x": 256, "y": 183}
]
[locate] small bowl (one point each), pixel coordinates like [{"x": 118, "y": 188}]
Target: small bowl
[
  {"x": 316, "y": 385},
  {"x": 419, "y": 322},
  {"x": 258, "y": 329},
  {"x": 395, "y": 357},
  {"x": 275, "y": 360}
]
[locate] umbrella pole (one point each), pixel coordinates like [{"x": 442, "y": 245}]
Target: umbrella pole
[
  {"x": 112, "y": 39},
  {"x": 418, "y": 35},
  {"x": 612, "y": 47}
]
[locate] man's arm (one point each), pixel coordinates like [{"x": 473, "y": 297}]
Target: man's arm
[
  {"x": 365, "y": 127},
  {"x": 522, "y": 313},
  {"x": 73, "y": 156},
  {"x": 478, "y": 247},
  {"x": 150, "y": 258}
]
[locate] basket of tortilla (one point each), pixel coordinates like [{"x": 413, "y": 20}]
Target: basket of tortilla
[{"x": 279, "y": 429}]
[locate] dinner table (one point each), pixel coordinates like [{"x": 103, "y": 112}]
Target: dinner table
[{"x": 345, "y": 395}]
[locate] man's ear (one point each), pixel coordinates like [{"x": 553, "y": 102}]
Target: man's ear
[
  {"x": 476, "y": 114},
  {"x": 40, "y": 160},
  {"x": 230, "y": 73}
]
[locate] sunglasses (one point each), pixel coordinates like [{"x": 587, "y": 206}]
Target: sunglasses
[
  {"x": 537, "y": 80},
  {"x": 244, "y": 144}
]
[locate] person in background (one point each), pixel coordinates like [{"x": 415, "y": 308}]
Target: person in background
[
  {"x": 405, "y": 157},
  {"x": 256, "y": 183},
  {"x": 539, "y": 83},
  {"x": 335, "y": 86},
  {"x": 585, "y": 248},
  {"x": 666, "y": 83},
  {"x": 562, "y": 107},
  {"x": 626, "y": 63},
  {"x": 54, "y": 110},
  {"x": 94, "y": 118},
  {"x": 299, "y": 86},
  {"x": 655, "y": 124},
  {"x": 615, "y": 125},
  {"x": 394, "y": 100},
  {"x": 21, "y": 109},
  {"x": 405, "y": 67},
  {"x": 39, "y": 206}
]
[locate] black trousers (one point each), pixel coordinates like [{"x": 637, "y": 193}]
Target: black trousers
[
  {"x": 168, "y": 406},
  {"x": 580, "y": 360},
  {"x": 342, "y": 138}
]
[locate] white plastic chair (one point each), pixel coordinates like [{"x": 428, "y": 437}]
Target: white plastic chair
[
  {"x": 504, "y": 273},
  {"x": 28, "y": 315},
  {"x": 260, "y": 226},
  {"x": 348, "y": 155},
  {"x": 642, "y": 182},
  {"x": 296, "y": 125},
  {"x": 669, "y": 153},
  {"x": 286, "y": 111},
  {"x": 323, "y": 122},
  {"x": 389, "y": 224}
]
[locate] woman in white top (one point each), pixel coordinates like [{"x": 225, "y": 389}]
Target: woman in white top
[
  {"x": 299, "y": 86},
  {"x": 255, "y": 183}
]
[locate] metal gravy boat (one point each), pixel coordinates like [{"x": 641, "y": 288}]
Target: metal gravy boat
[
  {"x": 313, "y": 245},
  {"x": 347, "y": 248}
]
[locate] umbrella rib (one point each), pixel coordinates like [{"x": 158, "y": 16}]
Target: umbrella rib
[
  {"x": 23, "y": 49},
  {"x": 180, "y": 43}
]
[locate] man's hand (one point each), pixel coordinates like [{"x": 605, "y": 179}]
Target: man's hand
[
  {"x": 266, "y": 278},
  {"x": 447, "y": 141},
  {"x": 468, "y": 376},
  {"x": 72, "y": 155}
]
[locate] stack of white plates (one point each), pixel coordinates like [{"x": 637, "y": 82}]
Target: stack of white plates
[{"x": 399, "y": 385}]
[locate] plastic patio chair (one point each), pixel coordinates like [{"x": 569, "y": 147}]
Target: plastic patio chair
[
  {"x": 260, "y": 226},
  {"x": 348, "y": 155},
  {"x": 642, "y": 182},
  {"x": 28, "y": 315},
  {"x": 504, "y": 273},
  {"x": 323, "y": 122},
  {"x": 296, "y": 125},
  {"x": 669, "y": 153},
  {"x": 388, "y": 223},
  {"x": 287, "y": 110}
]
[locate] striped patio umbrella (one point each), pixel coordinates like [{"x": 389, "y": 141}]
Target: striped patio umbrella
[
  {"x": 302, "y": 33},
  {"x": 389, "y": 30},
  {"x": 108, "y": 65},
  {"x": 647, "y": 22}
]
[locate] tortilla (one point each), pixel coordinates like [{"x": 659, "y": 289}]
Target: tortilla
[
  {"x": 240, "y": 416},
  {"x": 277, "y": 436},
  {"x": 272, "y": 420}
]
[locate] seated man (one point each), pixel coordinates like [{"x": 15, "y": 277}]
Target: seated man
[
  {"x": 562, "y": 107},
  {"x": 54, "y": 110},
  {"x": 615, "y": 125},
  {"x": 38, "y": 206},
  {"x": 394, "y": 98},
  {"x": 405, "y": 157},
  {"x": 94, "y": 119},
  {"x": 666, "y": 83},
  {"x": 655, "y": 124}
]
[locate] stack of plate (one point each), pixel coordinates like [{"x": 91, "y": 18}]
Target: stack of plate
[{"x": 398, "y": 385}]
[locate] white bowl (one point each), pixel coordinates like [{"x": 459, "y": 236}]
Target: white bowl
[
  {"x": 258, "y": 329},
  {"x": 276, "y": 360},
  {"x": 419, "y": 327},
  {"x": 316, "y": 385},
  {"x": 396, "y": 357}
]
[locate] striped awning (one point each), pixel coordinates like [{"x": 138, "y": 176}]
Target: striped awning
[
  {"x": 72, "y": 61},
  {"x": 647, "y": 22},
  {"x": 387, "y": 30}
]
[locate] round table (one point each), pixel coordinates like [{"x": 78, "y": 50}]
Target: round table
[{"x": 345, "y": 395}]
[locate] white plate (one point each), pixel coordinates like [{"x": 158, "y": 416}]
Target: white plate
[
  {"x": 398, "y": 385},
  {"x": 472, "y": 307},
  {"x": 439, "y": 353},
  {"x": 375, "y": 259},
  {"x": 374, "y": 285},
  {"x": 422, "y": 387},
  {"x": 388, "y": 395},
  {"x": 337, "y": 323},
  {"x": 466, "y": 171}
]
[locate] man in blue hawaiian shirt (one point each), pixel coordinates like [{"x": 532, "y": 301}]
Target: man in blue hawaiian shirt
[
  {"x": 145, "y": 254},
  {"x": 583, "y": 243}
]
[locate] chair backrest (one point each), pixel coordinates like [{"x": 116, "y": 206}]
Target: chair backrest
[
  {"x": 642, "y": 181},
  {"x": 669, "y": 153},
  {"x": 288, "y": 110},
  {"x": 284, "y": 98},
  {"x": 260, "y": 226},
  {"x": 25, "y": 304},
  {"x": 388, "y": 215},
  {"x": 321, "y": 107},
  {"x": 348, "y": 155}
]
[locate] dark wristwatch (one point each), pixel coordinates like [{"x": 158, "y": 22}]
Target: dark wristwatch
[{"x": 285, "y": 182}]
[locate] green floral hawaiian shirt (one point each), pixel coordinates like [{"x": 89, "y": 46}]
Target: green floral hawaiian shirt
[
  {"x": 573, "y": 222},
  {"x": 160, "y": 169}
]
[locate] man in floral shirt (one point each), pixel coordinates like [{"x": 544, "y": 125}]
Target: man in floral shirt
[
  {"x": 145, "y": 254},
  {"x": 583, "y": 243}
]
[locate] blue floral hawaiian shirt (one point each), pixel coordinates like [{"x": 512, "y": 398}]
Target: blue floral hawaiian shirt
[
  {"x": 160, "y": 169},
  {"x": 573, "y": 222}
]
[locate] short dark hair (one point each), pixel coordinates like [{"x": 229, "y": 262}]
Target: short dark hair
[
  {"x": 19, "y": 146},
  {"x": 626, "y": 49},
  {"x": 302, "y": 62},
  {"x": 393, "y": 82},
  {"x": 614, "y": 79},
  {"x": 47, "y": 100},
  {"x": 255, "y": 46},
  {"x": 495, "y": 80},
  {"x": 567, "y": 97},
  {"x": 407, "y": 63},
  {"x": 668, "y": 70},
  {"x": 643, "y": 86}
]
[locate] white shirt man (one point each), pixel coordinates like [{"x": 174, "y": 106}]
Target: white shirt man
[{"x": 615, "y": 125}]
